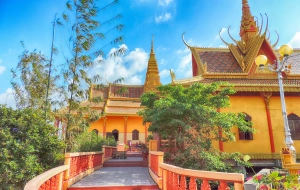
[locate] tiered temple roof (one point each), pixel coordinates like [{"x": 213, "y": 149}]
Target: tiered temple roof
[
  {"x": 120, "y": 99},
  {"x": 236, "y": 63}
]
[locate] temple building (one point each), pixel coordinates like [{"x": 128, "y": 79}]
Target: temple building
[
  {"x": 120, "y": 118},
  {"x": 257, "y": 88}
]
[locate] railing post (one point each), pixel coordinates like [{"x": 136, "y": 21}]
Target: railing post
[
  {"x": 238, "y": 186},
  {"x": 160, "y": 160},
  {"x": 60, "y": 182},
  {"x": 66, "y": 175},
  {"x": 164, "y": 179},
  {"x": 153, "y": 145}
]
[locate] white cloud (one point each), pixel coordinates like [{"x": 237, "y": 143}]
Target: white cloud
[
  {"x": 164, "y": 2},
  {"x": 163, "y": 17},
  {"x": 164, "y": 73},
  {"x": 295, "y": 41},
  {"x": 217, "y": 37},
  {"x": 184, "y": 69},
  {"x": 2, "y": 68},
  {"x": 161, "y": 48},
  {"x": 183, "y": 51},
  {"x": 163, "y": 62},
  {"x": 131, "y": 67},
  {"x": 8, "y": 98}
]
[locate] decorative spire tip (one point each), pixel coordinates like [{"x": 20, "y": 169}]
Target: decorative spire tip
[{"x": 152, "y": 44}]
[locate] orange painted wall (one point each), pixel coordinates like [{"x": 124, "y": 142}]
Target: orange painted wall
[
  {"x": 255, "y": 107},
  {"x": 118, "y": 122},
  {"x": 97, "y": 125},
  {"x": 293, "y": 106},
  {"x": 115, "y": 122},
  {"x": 135, "y": 123}
]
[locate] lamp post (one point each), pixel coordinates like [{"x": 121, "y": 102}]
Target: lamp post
[{"x": 285, "y": 51}]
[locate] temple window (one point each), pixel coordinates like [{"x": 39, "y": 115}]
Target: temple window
[
  {"x": 294, "y": 124},
  {"x": 95, "y": 131},
  {"x": 135, "y": 135},
  {"x": 246, "y": 135}
]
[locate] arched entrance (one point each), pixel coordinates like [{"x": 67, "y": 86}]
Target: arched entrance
[{"x": 115, "y": 134}]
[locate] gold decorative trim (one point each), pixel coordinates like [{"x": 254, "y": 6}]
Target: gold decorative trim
[{"x": 267, "y": 96}]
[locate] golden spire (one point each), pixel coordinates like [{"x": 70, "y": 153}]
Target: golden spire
[
  {"x": 152, "y": 76},
  {"x": 248, "y": 24},
  {"x": 152, "y": 44}
]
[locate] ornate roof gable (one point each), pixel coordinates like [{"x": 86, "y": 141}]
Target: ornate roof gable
[{"x": 238, "y": 59}]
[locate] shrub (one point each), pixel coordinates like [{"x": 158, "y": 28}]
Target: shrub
[
  {"x": 28, "y": 146},
  {"x": 87, "y": 142},
  {"x": 90, "y": 142}
]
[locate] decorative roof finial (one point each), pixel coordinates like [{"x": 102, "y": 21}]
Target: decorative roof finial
[
  {"x": 248, "y": 24},
  {"x": 152, "y": 44}
]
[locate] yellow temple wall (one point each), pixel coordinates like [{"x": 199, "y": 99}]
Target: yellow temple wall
[
  {"x": 135, "y": 123},
  {"x": 118, "y": 122},
  {"x": 255, "y": 107},
  {"x": 292, "y": 106}
]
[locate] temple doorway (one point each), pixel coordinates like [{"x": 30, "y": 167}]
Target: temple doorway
[{"x": 115, "y": 134}]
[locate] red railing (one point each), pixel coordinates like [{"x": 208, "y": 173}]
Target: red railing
[
  {"x": 108, "y": 150},
  {"x": 154, "y": 164},
  {"x": 52, "y": 183},
  {"x": 77, "y": 166},
  {"x": 51, "y": 179},
  {"x": 169, "y": 177}
]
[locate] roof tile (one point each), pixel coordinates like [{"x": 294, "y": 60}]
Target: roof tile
[{"x": 219, "y": 62}]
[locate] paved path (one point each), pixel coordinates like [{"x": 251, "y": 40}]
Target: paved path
[
  {"x": 128, "y": 159},
  {"x": 117, "y": 176}
]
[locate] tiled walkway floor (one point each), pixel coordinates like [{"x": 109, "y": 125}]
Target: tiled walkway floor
[
  {"x": 117, "y": 176},
  {"x": 128, "y": 159}
]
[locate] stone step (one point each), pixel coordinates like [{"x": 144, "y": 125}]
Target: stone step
[
  {"x": 136, "y": 187},
  {"x": 134, "y": 154},
  {"x": 126, "y": 164}
]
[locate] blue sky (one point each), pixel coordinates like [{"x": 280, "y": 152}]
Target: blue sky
[{"x": 201, "y": 20}]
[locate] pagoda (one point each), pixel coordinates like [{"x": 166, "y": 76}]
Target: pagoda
[
  {"x": 120, "y": 110},
  {"x": 257, "y": 89}
]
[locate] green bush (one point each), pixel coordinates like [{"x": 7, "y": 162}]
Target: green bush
[
  {"x": 90, "y": 142},
  {"x": 28, "y": 146},
  {"x": 87, "y": 142},
  {"x": 110, "y": 141}
]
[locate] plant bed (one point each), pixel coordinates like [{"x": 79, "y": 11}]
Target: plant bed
[{"x": 277, "y": 179}]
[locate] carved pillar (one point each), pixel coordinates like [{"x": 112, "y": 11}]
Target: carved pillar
[
  {"x": 221, "y": 146},
  {"x": 104, "y": 127},
  {"x": 146, "y": 132},
  {"x": 267, "y": 96},
  {"x": 125, "y": 129}
]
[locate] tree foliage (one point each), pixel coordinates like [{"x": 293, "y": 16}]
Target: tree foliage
[
  {"x": 84, "y": 32},
  {"x": 90, "y": 141},
  {"x": 30, "y": 79},
  {"x": 190, "y": 117},
  {"x": 28, "y": 146}
]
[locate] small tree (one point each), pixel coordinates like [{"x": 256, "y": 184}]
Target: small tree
[
  {"x": 84, "y": 32},
  {"x": 28, "y": 146},
  {"x": 189, "y": 116},
  {"x": 30, "y": 80}
]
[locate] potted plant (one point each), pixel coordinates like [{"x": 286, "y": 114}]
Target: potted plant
[
  {"x": 126, "y": 147},
  {"x": 144, "y": 149}
]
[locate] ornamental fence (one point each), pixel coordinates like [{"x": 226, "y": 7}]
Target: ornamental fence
[{"x": 77, "y": 165}]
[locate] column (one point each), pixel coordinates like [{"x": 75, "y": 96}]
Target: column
[
  {"x": 104, "y": 127},
  {"x": 125, "y": 129},
  {"x": 146, "y": 132},
  {"x": 267, "y": 96}
]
